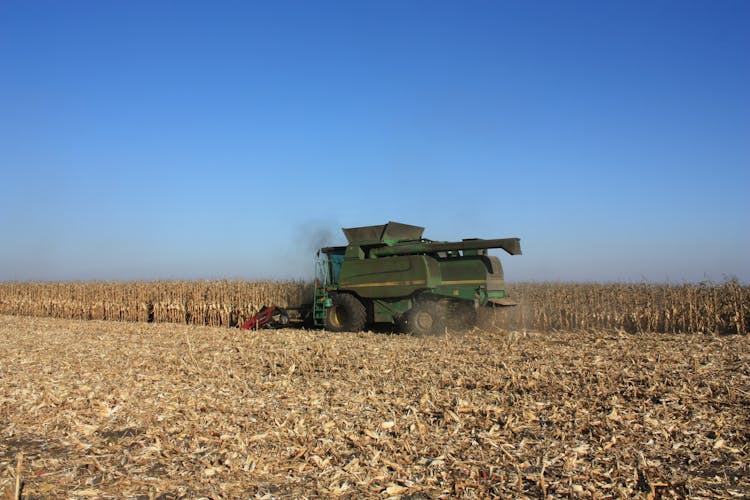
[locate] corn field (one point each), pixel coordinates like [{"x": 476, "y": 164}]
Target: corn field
[
  {"x": 210, "y": 303},
  {"x": 686, "y": 308},
  {"x": 661, "y": 308}
]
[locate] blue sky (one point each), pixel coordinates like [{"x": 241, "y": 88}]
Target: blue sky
[{"x": 191, "y": 140}]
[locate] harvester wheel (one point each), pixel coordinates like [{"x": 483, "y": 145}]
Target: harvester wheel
[
  {"x": 426, "y": 318},
  {"x": 347, "y": 314}
]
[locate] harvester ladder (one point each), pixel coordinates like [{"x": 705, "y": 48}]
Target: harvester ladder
[{"x": 320, "y": 292}]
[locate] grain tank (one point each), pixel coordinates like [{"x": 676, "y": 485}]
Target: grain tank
[{"x": 390, "y": 274}]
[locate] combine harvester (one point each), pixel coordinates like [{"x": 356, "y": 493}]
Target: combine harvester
[{"x": 390, "y": 274}]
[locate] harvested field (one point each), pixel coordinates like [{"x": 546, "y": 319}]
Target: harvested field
[{"x": 105, "y": 409}]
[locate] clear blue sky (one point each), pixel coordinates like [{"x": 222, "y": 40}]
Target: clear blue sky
[{"x": 158, "y": 140}]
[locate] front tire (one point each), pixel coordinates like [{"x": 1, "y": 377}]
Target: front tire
[
  {"x": 347, "y": 314},
  {"x": 426, "y": 318}
]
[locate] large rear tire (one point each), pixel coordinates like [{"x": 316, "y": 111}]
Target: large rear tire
[
  {"x": 347, "y": 314},
  {"x": 427, "y": 317}
]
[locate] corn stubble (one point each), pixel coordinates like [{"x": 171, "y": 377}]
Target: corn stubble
[
  {"x": 687, "y": 308},
  {"x": 102, "y": 409}
]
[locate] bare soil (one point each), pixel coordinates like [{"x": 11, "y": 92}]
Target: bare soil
[{"x": 105, "y": 409}]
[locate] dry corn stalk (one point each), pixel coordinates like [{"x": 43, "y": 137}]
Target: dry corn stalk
[{"x": 687, "y": 308}]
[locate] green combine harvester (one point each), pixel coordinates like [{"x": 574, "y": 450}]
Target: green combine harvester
[{"x": 390, "y": 274}]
